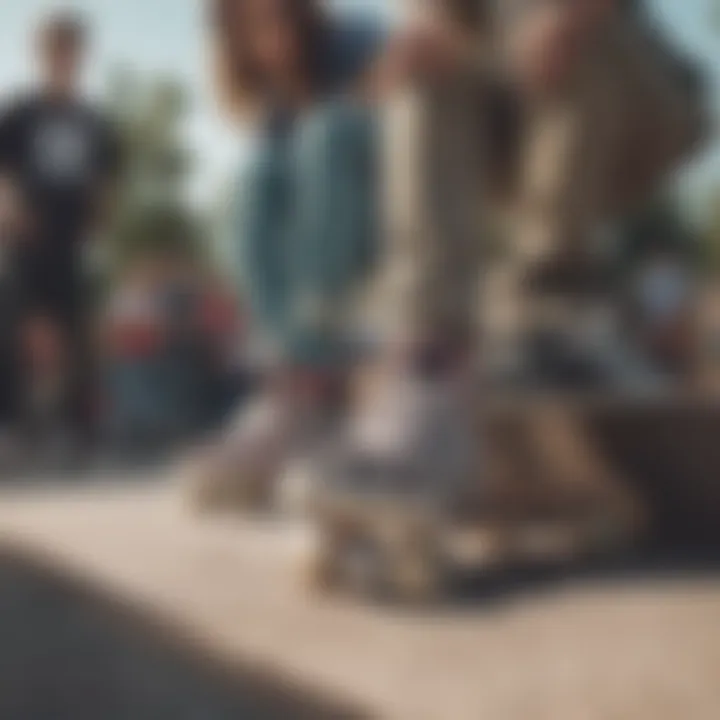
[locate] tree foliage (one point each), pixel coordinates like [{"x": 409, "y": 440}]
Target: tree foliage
[{"x": 152, "y": 211}]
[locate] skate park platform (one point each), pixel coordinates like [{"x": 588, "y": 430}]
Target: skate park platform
[
  {"x": 116, "y": 602},
  {"x": 659, "y": 451}
]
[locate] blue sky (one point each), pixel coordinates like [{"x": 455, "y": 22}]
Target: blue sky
[{"x": 165, "y": 37}]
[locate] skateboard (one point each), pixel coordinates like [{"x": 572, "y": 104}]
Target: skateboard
[
  {"x": 544, "y": 495},
  {"x": 378, "y": 546}
]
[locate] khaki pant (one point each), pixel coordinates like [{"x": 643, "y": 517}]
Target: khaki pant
[
  {"x": 587, "y": 155},
  {"x": 432, "y": 250}
]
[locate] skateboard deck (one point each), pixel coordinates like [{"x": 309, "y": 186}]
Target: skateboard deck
[{"x": 544, "y": 490}]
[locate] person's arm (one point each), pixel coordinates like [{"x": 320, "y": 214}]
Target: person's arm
[
  {"x": 8, "y": 140},
  {"x": 13, "y": 214},
  {"x": 416, "y": 53}
]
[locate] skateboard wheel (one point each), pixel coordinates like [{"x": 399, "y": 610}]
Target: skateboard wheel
[
  {"x": 419, "y": 568},
  {"x": 366, "y": 570},
  {"x": 367, "y": 562},
  {"x": 348, "y": 559},
  {"x": 418, "y": 578}
]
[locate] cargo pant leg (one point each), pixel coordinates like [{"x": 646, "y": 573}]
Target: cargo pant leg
[{"x": 431, "y": 214}]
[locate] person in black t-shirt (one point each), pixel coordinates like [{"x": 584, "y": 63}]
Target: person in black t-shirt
[{"x": 62, "y": 157}]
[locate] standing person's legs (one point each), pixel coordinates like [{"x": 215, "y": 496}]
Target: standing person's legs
[
  {"x": 411, "y": 451},
  {"x": 66, "y": 298},
  {"x": 56, "y": 345},
  {"x": 9, "y": 369},
  {"x": 233, "y": 467},
  {"x": 37, "y": 344},
  {"x": 325, "y": 250},
  {"x": 80, "y": 373},
  {"x": 334, "y": 244},
  {"x": 43, "y": 357},
  {"x": 433, "y": 194},
  {"x": 415, "y": 428}
]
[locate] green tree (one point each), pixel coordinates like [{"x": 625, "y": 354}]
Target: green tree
[{"x": 152, "y": 210}]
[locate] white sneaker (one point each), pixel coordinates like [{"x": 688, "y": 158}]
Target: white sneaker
[{"x": 416, "y": 439}]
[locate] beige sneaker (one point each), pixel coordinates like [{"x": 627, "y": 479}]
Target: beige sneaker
[{"x": 242, "y": 469}]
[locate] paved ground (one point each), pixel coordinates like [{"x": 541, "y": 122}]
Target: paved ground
[
  {"x": 70, "y": 654},
  {"x": 163, "y": 591}
]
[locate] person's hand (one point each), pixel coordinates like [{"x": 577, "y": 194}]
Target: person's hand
[
  {"x": 424, "y": 52},
  {"x": 7, "y": 210},
  {"x": 26, "y": 226},
  {"x": 42, "y": 343},
  {"x": 428, "y": 51},
  {"x": 547, "y": 41},
  {"x": 16, "y": 221}
]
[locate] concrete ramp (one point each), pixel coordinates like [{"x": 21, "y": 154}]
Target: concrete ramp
[
  {"x": 120, "y": 604},
  {"x": 72, "y": 651},
  {"x": 81, "y": 640}
]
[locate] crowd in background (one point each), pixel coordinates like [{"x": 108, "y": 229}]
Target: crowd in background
[{"x": 171, "y": 338}]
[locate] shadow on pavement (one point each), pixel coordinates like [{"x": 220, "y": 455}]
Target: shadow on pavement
[
  {"x": 69, "y": 652},
  {"x": 656, "y": 567}
]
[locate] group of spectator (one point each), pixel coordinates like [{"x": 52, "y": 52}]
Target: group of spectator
[{"x": 171, "y": 340}]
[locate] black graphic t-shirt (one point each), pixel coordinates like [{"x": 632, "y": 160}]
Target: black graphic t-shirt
[{"x": 60, "y": 154}]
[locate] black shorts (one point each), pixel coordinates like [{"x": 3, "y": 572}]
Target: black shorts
[{"x": 49, "y": 285}]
